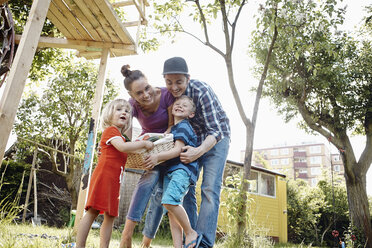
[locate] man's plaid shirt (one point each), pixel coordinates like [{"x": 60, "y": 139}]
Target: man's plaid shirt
[{"x": 210, "y": 118}]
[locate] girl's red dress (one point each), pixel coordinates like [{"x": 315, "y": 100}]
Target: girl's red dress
[{"x": 105, "y": 181}]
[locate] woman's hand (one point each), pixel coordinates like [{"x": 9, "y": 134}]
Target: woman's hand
[{"x": 150, "y": 162}]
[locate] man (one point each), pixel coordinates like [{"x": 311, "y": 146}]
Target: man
[{"x": 212, "y": 128}]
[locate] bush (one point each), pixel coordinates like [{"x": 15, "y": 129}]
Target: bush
[
  {"x": 254, "y": 236},
  {"x": 9, "y": 205}
]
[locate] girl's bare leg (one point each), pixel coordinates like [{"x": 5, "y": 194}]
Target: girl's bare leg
[
  {"x": 106, "y": 230},
  {"x": 84, "y": 227}
]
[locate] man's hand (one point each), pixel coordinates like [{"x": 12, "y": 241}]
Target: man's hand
[
  {"x": 189, "y": 154},
  {"x": 150, "y": 162}
]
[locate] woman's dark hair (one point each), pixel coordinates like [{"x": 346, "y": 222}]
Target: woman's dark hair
[{"x": 130, "y": 76}]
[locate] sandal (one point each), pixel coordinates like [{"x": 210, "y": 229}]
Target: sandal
[{"x": 196, "y": 241}]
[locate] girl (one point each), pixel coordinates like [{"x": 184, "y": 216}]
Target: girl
[{"x": 103, "y": 197}]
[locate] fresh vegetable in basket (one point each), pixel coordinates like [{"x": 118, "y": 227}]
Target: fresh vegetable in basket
[{"x": 154, "y": 138}]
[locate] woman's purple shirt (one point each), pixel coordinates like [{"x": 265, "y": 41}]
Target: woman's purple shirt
[{"x": 158, "y": 121}]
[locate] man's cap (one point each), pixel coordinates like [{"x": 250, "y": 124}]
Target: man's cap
[{"x": 175, "y": 65}]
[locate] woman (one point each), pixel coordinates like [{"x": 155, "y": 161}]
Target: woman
[{"x": 152, "y": 107}]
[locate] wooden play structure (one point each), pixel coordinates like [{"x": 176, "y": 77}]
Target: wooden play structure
[{"x": 93, "y": 28}]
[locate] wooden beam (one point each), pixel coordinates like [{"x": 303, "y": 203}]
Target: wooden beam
[
  {"x": 78, "y": 44},
  {"x": 64, "y": 21},
  {"x": 114, "y": 53},
  {"x": 59, "y": 25},
  {"x": 34, "y": 159},
  {"x": 89, "y": 152},
  {"x": 140, "y": 10},
  {"x": 105, "y": 19},
  {"x": 75, "y": 10},
  {"x": 20, "y": 68},
  {"x": 49, "y": 148},
  {"x": 114, "y": 21},
  {"x": 122, "y": 4},
  {"x": 72, "y": 19},
  {"x": 127, "y": 3},
  {"x": 132, "y": 24},
  {"x": 92, "y": 19}
]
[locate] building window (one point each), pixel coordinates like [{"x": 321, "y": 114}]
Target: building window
[
  {"x": 315, "y": 149},
  {"x": 315, "y": 171},
  {"x": 284, "y": 151},
  {"x": 302, "y": 171},
  {"x": 267, "y": 185},
  {"x": 299, "y": 149},
  {"x": 337, "y": 168},
  {"x": 336, "y": 158},
  {"x": 274, "y": 161},
  {"x": 284, "y": 161},
  {"x": 253, "y": 182},
  {"x": 301, "y": 160},
  {"x": 314, "y": 181},
  {"x": 274, "y": 152},
  {"x": 316, "y": 160}
]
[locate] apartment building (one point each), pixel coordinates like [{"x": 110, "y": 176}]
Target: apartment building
[{"x": 306, "y": 161}]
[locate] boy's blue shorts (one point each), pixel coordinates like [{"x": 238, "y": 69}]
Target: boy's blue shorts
[{"x": 176, "y": 184}]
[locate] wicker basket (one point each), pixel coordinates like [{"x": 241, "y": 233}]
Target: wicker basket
[{"x": 135, "y": 160}]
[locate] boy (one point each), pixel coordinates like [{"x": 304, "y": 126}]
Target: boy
[{"x": 179, "y": 176}]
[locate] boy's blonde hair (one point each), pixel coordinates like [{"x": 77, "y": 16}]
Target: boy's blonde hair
[
  {"x": 108, "y": 111},
  {"x": 193, "y": 108}
]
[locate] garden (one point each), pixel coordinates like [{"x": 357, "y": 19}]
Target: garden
[{"x": 312, "y": 70}]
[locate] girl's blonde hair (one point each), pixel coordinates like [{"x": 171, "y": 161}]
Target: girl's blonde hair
[{"x": 108, "y": 111}]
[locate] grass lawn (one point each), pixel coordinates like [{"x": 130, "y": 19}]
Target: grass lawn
[
  {"x": 26, "y": 235},
  {"x": 22, "y": 236}
]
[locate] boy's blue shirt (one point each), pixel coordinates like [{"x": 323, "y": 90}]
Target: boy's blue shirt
[{"x": 184, "y": 131}]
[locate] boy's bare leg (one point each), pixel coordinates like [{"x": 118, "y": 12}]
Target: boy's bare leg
[
  {"x": 180, "y": 215},
  {"x": 126, "y": 236},
  {"x": 176, "y": 231}
]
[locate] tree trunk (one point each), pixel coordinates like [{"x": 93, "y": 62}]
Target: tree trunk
[
  {"x": 358, "y": 205},
  {"x": 241, "y": 225},
  {"x": 72, "y": 189}
]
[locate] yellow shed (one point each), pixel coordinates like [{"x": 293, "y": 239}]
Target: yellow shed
[{"x": 268, "y": 200}]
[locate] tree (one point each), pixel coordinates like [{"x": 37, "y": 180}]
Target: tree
[
  {"x": 167, "y": 20},
  {"x": 322, "y": 74},
  {"x": 58, "y": 117}
]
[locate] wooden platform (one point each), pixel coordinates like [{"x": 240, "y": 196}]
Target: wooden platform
[{"x": 91, "y": 25}]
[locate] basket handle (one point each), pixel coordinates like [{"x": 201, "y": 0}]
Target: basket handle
[{"x": 167, "y": 138}]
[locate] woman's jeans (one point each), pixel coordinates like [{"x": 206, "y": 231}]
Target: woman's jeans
[
  {"x": 213, "y": 164},
  {"x": 149, "y": 185}
]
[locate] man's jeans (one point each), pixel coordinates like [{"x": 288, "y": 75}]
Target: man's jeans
[{"x": 213, "y": 164}]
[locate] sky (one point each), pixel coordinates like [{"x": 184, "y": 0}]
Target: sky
[{"x": 206, "y": 65}]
